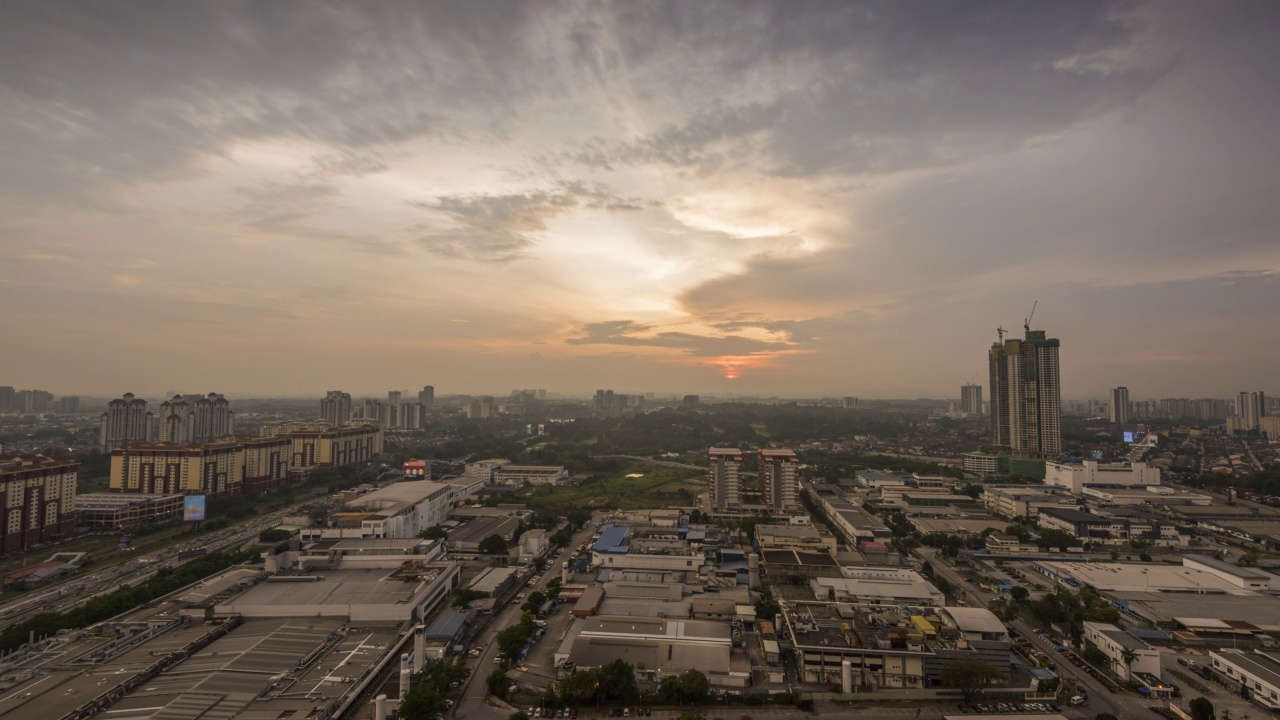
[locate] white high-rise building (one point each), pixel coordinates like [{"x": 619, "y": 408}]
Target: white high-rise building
[
  {"x": 1026, "y": 397},
  {"x": 724, "y": 478},
  {"x": 1119, "y": 408},
  {"x": 126, "y": 420},
  {"x": 1250, "y": 407},
  {"x": 971, "y": 399}
]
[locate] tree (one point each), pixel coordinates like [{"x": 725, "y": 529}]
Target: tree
[
  {"x": 970, "y": 677},
  {"x": 1104, "y": 716},
  {"x": 1095, "y": 656},
  {"x": 690, "y": 687},
  {"x": 1128, "y": 657},
  {"x": 1201, "y": 709},
  {"x": 539, "y": 564},
  {"x": 695, "y": 517},
  {"x": 274, "y": 535},
  {"x": 1019, "y": 594},
  {"x": 618, "y": 679},
  {"x": 511, "y": 640},
  {"x": 435, "y": 532},
  {"x": 518, "y": 715},
  {"x": 493, "y": 545}
]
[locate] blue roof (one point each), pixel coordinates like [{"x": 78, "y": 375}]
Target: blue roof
[
  {"x": 612, "y": 538},
  {"x": 447, "y": 626}
]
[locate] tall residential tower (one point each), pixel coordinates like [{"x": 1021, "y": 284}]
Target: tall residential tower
[
  {"x": 1026, "y": 398},
  {"x": 780, "y": 480},
  {"x": 971, "y": 399},
  {"x": 1118, "y": 412},
  {"x": 723, "y": 478}
]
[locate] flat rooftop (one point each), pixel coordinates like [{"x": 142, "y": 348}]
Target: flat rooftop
[
  {"x": 337, "y": 587},
  {"x": 395, "y": 497},
  {"x": 1164, "y": 607},
  {"x": 957, "y": 525},
  {"x": 1262, "y": 666},
  {"x": 1145, "y": 577}
]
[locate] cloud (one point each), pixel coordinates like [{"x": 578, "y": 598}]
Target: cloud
[
  {"x": 502, "y": 228},
  {"x": 631, "y": 333},
  {"x": 882, "y": 88}
]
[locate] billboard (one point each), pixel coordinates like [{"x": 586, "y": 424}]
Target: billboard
[
  {"x": 1128, "y": 436},
  {"x": 193, "y": 508}
]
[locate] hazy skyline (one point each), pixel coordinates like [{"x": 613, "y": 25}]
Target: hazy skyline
[{"x": 791, "y": 198}]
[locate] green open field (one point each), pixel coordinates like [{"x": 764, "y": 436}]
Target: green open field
[{"x": 658, "y": 487}]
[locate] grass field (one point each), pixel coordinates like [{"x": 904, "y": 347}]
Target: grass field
[{"x": 657, "y": 487}]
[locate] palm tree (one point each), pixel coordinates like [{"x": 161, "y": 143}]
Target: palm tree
[{"x": 1128, "y": 657}]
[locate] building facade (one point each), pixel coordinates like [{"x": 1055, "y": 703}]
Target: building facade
[
  {"x": 724, "y": 478},
  {"x": 153, "y": 468},
  {"x": 344, "y": 446},
  {"x": 1026, "y": 398},
  {"x": 779, "y": 475},
  {"x": 1075, "y": 474},
  {"x": 126, "y": 420},
  {"x": 335, "y": 408},
  {"x": 1250, "y": 408},
  {"x": 971, "y": 399},
  {"x": 266, "y": 463},
  {"x": 1118, "y": 410},
  {"x": 38, "y": 494}
]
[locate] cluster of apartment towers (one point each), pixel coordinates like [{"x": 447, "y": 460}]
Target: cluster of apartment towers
[
  {"x": 129, "y": 419},
  {"x": 778, "y": 473}
]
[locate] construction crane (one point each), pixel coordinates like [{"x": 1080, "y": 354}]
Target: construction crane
[
  {"x": 1026, "y": 325},
  {"x": 1001, "y": 331}
]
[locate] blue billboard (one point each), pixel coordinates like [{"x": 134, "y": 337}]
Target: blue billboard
[
  {"x": 1128, "y": 436},
  {"x": 193, "y": 508}
]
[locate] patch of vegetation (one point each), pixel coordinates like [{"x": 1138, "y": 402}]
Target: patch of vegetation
[{"x": 127, "y": 597}]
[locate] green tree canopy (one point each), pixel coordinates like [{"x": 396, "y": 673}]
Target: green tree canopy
[
  {"x": 1201, "y": 709},
  {"x": 435, "y": 532},
  {"x": 688, "y": 688},
  {"x": 970, "y": 677},
  {"x": 493, "y": 545}
]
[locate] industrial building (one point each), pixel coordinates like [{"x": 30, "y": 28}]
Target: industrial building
[
  {"x": 1117, "y": 645},
  {"x": 1258, "y": 673},
  {"x": 114, "y": 511},
  {"x": 657, "y": 648},
  {"x": 1075, "y": 474},
  {"x": 878, "y": 586},
  {"x": 530, "y": 475},
  {"x": 398, "y": 510},
  {"x": 889, "y": 646}
]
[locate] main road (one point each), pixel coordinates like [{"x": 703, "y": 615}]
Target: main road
[{"x": 80, "y": 589}]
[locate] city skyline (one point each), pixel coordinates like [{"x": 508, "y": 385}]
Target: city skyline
[{"x": 725, "y": 199}]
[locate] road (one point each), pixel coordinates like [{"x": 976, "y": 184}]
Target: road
[
  {"x": 659, "y": 463},
  {"x": 1122, "y": 705},
  {"x": 472, "y": 705},
  {"x": 82, "y": 588}
]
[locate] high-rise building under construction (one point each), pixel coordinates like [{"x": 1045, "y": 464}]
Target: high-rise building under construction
[{"x": 1026, "y": 397}]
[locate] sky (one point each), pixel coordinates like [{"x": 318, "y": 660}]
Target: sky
[{"x": 791, "y": 198}]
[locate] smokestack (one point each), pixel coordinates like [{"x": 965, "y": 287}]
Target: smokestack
[
  {"x": 846, "y": 676},
  {"x": 419, "y": 647},
  {"x": 404, "y": 676},
  {"x": 564, "y": 573},
  {"x": 380, "y": 707},
  {"x": 753, "y": 571}
]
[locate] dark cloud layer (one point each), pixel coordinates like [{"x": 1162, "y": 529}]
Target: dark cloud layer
[{"x": 844, "y": 177}]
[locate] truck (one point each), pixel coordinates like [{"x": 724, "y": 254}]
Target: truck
[{"x": 1077, "y": 700}]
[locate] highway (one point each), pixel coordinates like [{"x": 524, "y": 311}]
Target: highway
[{"x": 81, "y": 588}]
